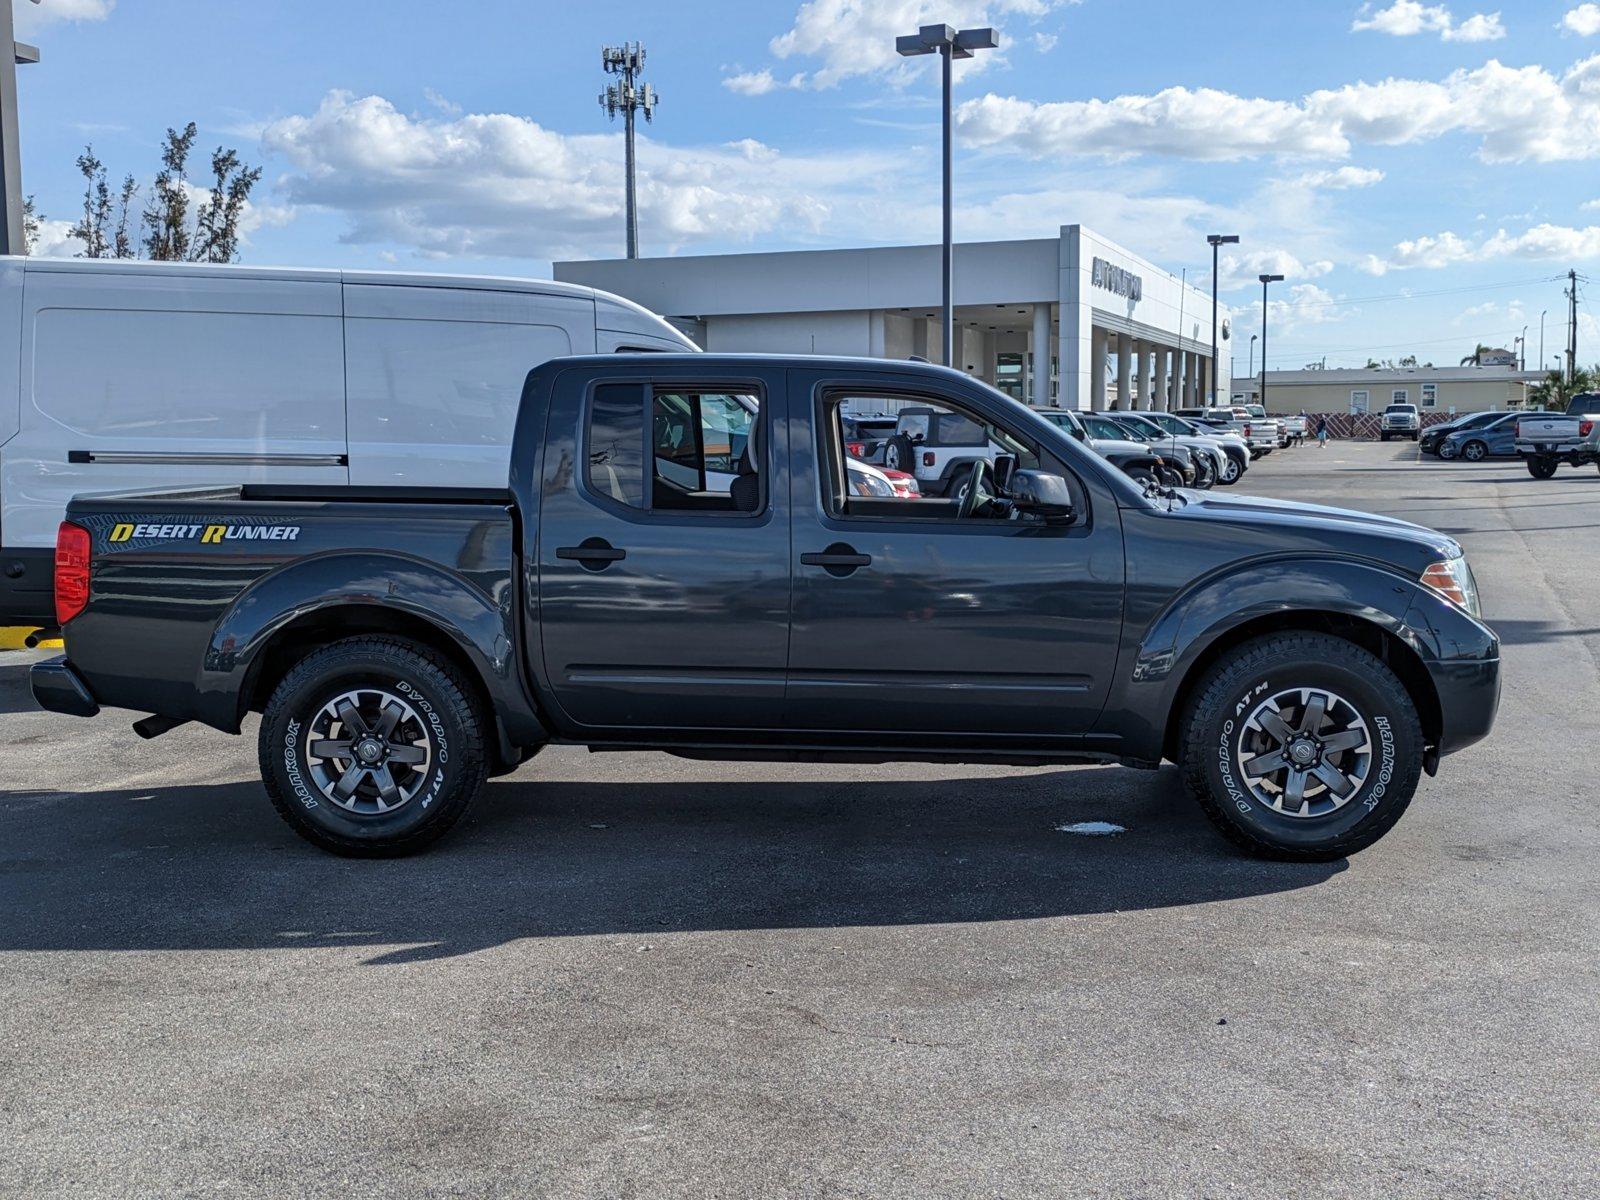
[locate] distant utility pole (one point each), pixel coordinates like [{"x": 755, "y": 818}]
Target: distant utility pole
[
  {"x": 1572, "y": 327},
  {"x": 13, "y": 238},
  {"x": 628, "y": 96}
]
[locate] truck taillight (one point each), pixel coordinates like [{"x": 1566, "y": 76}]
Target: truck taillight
[
  {"x": 1247, "y": 429},
  {"x": 1585, "y": 428},
  {"x": 72, "y": 571},
  {"x": 855, "y": 449}
]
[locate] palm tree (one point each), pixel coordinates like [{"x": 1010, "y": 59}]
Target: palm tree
[
  {"x": 1476, "y": 357},
  {"x": 1553, "y": 392}
]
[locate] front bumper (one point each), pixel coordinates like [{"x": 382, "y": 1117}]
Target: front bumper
[{"x": 58, "y": 688}]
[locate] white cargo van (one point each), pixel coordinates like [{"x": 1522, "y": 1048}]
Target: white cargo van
[{"x": 118, "y": 375}]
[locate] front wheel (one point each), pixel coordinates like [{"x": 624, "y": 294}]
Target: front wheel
[
  {"x": 1475, "y": 451},
  {"x": 1542, "y": 466},
  {"x": 1301, "y": 746},
  {"x": 1232, "y": 471},
  {"x": 1446, "y": 451},
  {"x": 372, "y": 747}
]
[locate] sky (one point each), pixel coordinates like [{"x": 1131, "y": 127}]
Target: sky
[{"x": 1424, "y": 175}]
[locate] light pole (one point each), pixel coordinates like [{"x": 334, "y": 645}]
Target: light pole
[
  {"x": 1542, "y": 316},
  {"x": 1217, "y": 241},
  {"x": 1522, "y": 363},
  {"x": 1254, "y": 337},
  {"x": 628, "y": 96},
  {"x": 949, "y": 44},
  {"x": 1265, "y": 280},
  {"x": 13, "y": 237}
]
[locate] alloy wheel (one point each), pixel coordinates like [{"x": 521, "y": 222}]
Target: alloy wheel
[
  {"x": 1304, "y": 752},
  {"x": 368, "y": 751}
]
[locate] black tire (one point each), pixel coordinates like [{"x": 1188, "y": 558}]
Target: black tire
[
  {"x": 1384, "y": 436},
  {"x": 900, "y": 455},
  {"x": 1217, "y": 727},
  {"x": 1143, "y": 476},
  {"x": 442, "y": 720},
  {"x": 1475, "y": 451},
  {"x": 1543, "y": 466},
  {"x": 1417, "y": 437}
]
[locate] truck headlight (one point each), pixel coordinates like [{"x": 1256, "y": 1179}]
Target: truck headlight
[{"x": 1453, "y": 580}]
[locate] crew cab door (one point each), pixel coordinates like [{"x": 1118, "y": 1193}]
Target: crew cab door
[
  {"x": 909, "y": 619},
  {"x": 663, "y": 551}
]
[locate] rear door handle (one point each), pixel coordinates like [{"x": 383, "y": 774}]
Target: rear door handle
[
  {"x": 592, "y": 553},
  {"x": 838, "y": 559}
]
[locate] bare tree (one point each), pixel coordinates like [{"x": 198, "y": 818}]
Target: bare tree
[
  {"x": 122, "y": 243},
  {"x": 166, "y": 217},
  {"x": 91, "y": 227},
  {"x": 217, "y": 223},
  {"x": 30, "y": 225}
]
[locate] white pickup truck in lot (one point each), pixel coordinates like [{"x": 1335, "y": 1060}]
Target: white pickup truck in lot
[
  {"x": 1545, "y": 442},
  {"x": 1400, "y": 420}
]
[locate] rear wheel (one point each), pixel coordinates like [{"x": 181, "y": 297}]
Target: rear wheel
[
  {"x": 1301, "y": 746},
  {"x": 372, "y": 747},
  {"x": 1542, "y": 466}
]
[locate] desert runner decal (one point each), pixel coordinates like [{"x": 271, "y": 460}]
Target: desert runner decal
[{"x": 126, "y": 531}]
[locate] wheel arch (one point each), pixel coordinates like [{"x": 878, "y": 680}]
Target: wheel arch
[{"x": 1384, "y": 644}]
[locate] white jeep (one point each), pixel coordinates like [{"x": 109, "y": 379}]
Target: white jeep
[{"x": 939, "y": 447}]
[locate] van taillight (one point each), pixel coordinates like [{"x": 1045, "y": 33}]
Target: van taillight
[{"x": 72, "y": 571}]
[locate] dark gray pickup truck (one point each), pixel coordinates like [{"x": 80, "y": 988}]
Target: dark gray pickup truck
[{"x": 685, "y": 560}]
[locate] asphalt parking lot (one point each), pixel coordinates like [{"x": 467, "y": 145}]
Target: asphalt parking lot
[{"x": 639, "y": 976}]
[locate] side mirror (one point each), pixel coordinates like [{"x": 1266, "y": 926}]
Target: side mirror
[
  {"x": 1042, "y": 495},
  {"x": 1005, "y": 466}
]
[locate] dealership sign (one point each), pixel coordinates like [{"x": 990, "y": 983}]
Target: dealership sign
[{"x": 1118, "y": 280}]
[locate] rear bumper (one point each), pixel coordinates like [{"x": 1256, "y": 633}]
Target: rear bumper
[
  {"x": 1555, "y": 448},
  {"x": 60, "y": 689}
]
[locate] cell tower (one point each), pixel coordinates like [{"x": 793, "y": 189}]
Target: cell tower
[{"x": 628, "y": 96}]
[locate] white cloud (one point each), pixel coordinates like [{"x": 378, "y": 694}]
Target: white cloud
[
  {"x": 853, "y": 38},
  {"x": 1583, "y": 20},
  {"x": 1407, "y": 18},
  {"x": 751, "y": 83},
  {"x": 1045, "y": 42},
  {"x": 1342, "y": 178},
  {"x": 1241, "y": 270},
  {"x": 30, "y": 18},
  {"x": 496, "y": 184},
  {"x": 1306, "y": 304},
  {"x": 1483, "y": 27},
  {"x": 1516, "y": 113},
  {"x": 55, "y": 240},
  {"x": 1544, "y": 243}
]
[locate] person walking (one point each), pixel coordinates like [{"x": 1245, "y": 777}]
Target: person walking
[{"x": 1322, "y": 431}]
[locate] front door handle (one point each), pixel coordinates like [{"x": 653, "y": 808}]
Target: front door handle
[
  {"x": 594, "y": 554},
  {"x": 838, "y": 560}
]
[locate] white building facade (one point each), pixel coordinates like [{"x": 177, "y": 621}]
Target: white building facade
[{"x": 1075, "y": 321}]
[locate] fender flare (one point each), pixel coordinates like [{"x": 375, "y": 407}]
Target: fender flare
[
  {"x": 1215, "y": 606},
  {"x": 470, "y": 619}
]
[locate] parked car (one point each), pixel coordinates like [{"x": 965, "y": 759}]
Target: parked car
[
  {"x": 135, "y": 374},
  {"x": 868, "y": 480},
  {"x": 1494, "y": 439},
  {"x": 1177, "y": 462},
  {"x": 1231, "y": 444},
  {"x": 1257, "y": 415},
  {"x": 1400, "y": 420},
  {"x": 1432, "y": 439},
  {"x": 1545, "y": 442},
  {"x": 1134, "y": 459},
  {"x": 1259, "y": 436},
  {"x": 1196, "y": 461},
  {"x": 867, "y": 438},
  {"x": 1302, "y": 665},
  {"x": 938, "y": 447}
]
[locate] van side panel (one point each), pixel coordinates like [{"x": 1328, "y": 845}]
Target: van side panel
[
  {"x": 167, "y": 380},
  {"x": 621, "y": 325},
  {"x": 434, "y": 376}
]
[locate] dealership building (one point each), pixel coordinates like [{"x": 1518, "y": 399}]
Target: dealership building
[{"x": 1074, "y": 321}]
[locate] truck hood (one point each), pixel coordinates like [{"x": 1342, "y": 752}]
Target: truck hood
[{"x": 1290, "y": 524}]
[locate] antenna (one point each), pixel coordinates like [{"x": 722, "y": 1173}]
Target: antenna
[{"x": 628, "y": 96}]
